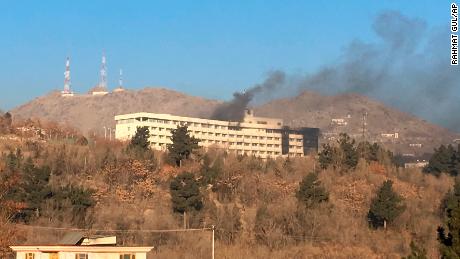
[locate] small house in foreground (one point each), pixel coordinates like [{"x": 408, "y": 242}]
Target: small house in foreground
[{"x": 76, "y": 246}]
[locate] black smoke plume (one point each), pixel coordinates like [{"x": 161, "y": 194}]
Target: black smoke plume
[
  {"x": 408, "y": 67},
  {"x": 234, "y": 110}
]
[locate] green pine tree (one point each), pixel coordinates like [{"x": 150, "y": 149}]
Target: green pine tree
[
  {"x": 210, "y": 172},
  {"x": 182, "y": 145},
  {"x": 185, "y": 193},
  {"x": 349, "y": 159},
  {"x": 386, "y": 206},
  {"x": 442, "y": 161},
  {"x": 327, "y": 156},
  {"x": 311, "y": 192},
  {"x": 35, "y": 184},
  {"x": 140, "y": 140},
  {"x": 450, "y": 242}
]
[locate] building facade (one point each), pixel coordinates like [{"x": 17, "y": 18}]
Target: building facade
[
  {"x": 81, "y": 252},
  {"x": 258, "y": 136},
  {"x": 76, "y": 246}
]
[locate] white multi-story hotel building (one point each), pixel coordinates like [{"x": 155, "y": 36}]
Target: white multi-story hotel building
[{"x": 258, "y": 136}]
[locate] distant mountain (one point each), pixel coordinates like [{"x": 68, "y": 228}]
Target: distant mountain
[
  {"x": 353, "y": 113},
  {"x": 332, "y": 114},
  {"x": 92, "y": 113}
]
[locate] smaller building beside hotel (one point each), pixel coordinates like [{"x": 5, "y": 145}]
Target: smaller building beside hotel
[{"x": 76, "y": 246}]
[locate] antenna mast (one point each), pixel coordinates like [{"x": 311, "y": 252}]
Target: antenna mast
[
  {"x": 67, "y": 84},
  {"x": 120, "y": 80},
  {"x": 364, "y": 125},
  {"x": 103, "y": 82}
]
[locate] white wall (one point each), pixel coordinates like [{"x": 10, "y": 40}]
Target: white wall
[{"x": 71, "y": 255}]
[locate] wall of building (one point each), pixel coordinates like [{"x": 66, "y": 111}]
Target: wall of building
[
  {"x": 262, "y": 137},
  {"x": 71, "y": 255}
]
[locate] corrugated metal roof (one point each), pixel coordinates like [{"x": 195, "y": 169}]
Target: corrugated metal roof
[{"x": 71, "y": 238}]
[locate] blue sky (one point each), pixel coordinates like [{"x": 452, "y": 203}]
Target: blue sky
[{"x": 204, "y": 48}]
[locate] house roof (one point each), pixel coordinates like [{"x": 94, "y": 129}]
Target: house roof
[
  {"x": 71, "y": 238},
  {"x": 73, "y": 248}
]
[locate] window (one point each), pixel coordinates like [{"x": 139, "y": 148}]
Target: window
[
  {"x": 30, "y": 255},
  {"x": 254, "y": 137},
  {"x": 81, "y": 256},
  {"x": 127, "y": 256},
  {"x": 254, "y": 144},
  {"x": 261, "y": 137},
  {"x": 269, "y": 138}
]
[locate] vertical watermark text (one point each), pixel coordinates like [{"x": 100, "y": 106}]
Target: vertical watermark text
[{"x": 454, "y": 34}]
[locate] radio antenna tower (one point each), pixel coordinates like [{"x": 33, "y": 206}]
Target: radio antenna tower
[
  {"x": 120, "y": 80},
  {"x": 364, "y": 126},
  {"x": 67, "y": 84},
  {"x": 103, "y": 82}
]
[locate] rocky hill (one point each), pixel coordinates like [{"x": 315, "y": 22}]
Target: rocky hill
[
  {"x": 92, "y": 113},
  {"x": 399, "y": 131}
]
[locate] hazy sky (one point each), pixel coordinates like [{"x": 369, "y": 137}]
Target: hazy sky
[{"x": 205, "y": 48}]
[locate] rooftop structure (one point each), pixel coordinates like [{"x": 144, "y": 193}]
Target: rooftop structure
[
  {"x": 258, "y": 136},
  {"x": 75, "y": 245}
]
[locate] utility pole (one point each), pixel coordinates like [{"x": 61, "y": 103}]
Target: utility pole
[
  {"x": 185, "y": 220},
  {"x": 213, "y": 228}
]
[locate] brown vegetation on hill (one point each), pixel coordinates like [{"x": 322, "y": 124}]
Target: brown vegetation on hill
[{"x": 251, "y": 202}]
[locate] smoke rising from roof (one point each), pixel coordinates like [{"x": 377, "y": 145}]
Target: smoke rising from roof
[
  {"x": 234, "y": 110},
  {"x": 408, "y": 68}
]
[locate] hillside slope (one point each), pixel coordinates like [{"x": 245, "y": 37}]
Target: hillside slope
[
  {"x": 92, "y": 113},
  {"x": 315, "y": 110},
  {"x": 332, "y": 114}
]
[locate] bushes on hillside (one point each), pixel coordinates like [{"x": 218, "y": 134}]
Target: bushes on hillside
[
  {"x": 450, "y": 241},
  {"x": 445, "y": 159},
  {"x": 5, "y": 123},
  {"x": 345, "y": 153}
]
